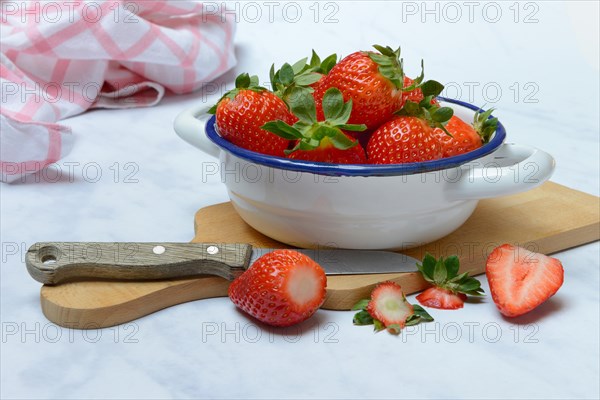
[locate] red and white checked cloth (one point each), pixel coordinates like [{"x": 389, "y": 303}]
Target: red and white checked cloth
[{"x": 61, "y": 58}]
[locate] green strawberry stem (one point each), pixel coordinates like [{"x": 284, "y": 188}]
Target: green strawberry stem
[
  {"x": 484, "y": 124},
  {"x": 426, "y": 109},
  {"x": 390, "y": 64},
  {"x": 296, "y": 79},
  {"x": 309, "y": 133},
  {"x": 443, "y": 273},
  {"x": 242, "y": 82}
]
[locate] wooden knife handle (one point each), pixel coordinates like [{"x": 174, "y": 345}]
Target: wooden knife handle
[{"x": 56, "y": 262}]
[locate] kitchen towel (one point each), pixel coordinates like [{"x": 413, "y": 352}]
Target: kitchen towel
[{"x": 61, "y": 58}]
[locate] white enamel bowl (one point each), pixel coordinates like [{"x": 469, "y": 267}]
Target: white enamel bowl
[{"x": 308, "y": 204}]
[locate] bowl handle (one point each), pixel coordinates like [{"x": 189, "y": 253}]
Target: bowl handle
[
  {"x": 190, "y": 125},
  {"x": 510, "y": 169}
]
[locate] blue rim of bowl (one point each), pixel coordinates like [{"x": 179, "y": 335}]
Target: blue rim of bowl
[{"x": 359, "y": 169}]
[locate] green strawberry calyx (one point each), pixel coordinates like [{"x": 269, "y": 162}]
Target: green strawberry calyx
[
  {"x": 428, "y": 109},
  {"x": 443, "y": 273},
  {"x": 242, "y": 82},
  {"x": 485, "y": 124},
  {"x": 363, "y": 317},
  {"x": 309, "y": 133},
  {"x": 390, "y": 64},
  {"x": 296, "y": 79}
]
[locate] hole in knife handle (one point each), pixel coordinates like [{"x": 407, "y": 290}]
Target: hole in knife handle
[{"x": 49, "y": 255}]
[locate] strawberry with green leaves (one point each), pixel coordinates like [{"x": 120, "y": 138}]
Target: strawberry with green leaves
[
  {"x": 450, "y": 289},
  {"x": 461, "y": 137},
  {"x": 241, "y": 113},
  {"x": 410, "y": 137},
  {"x": 373, "y": 81},
  {"x": 322, "y": 141},
  {"x": 388, "y": 309}
]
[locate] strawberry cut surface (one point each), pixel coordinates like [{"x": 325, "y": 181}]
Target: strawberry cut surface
[
  {"x": 520, "y": 280},
  {"x": 281, "y": 288}
]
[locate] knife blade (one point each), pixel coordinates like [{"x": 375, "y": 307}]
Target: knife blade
[
  {"x": 353, "y": 262},
  {"x": 57, "y": 262}
]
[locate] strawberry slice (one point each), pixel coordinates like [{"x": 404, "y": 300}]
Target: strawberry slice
[
  {"x": 449, "y": 290},
  {"x": 437, "y": 297},
  {"x": 520, "y": 280},
  {"x": 281, "y": 288},
  {"x": 389, "y": 306},
  {"x": 388, "y": 309}
]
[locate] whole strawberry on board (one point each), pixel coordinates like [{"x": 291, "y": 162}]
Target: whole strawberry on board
[
  {"x": 373, "y": 81},
  {"x": 322, "y": 141},
  {"x": 461, "y": 137},
  {"x": 520, "y": 280},
  {"x": 450, "y": 289},
  {"x": 388, "y": 309},
  {"x": 301, "y": 77},
  {"x": 410, "y": 137},
  {"x": 281, "y": 288},
  {"x": 241, "y": 112}
]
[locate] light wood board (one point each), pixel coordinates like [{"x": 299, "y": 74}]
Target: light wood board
[{"x": 548, "y": 219}]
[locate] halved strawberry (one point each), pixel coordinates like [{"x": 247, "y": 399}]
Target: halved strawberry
[
  {"x": 520, "y": 280},
  {"x": 281, "y": 288},
  {"x": 449, "y": 289},
  {"x": 389, "y": 306},
  {"x": 445, "y": 299}
]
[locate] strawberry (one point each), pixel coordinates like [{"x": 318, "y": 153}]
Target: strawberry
[
  {"x": 388, "y": 309},
  {"x": 403, "y": 140},
  {"x": 437, "y": 297},
  {"x": 449, "y": 289},
  {"x": 520, "y": 280},
  {"x": 327, "y": 152},
  {"x": 415, "y": 95},
  {"x": 323, "y": 141},
  {"x": 373, "y": 81},
  {"x": 466, "y": 137},
  {"x": 241, "y": 112},
  {"x": 410, "y": 136},
  {"x": 281, "y": 288}
]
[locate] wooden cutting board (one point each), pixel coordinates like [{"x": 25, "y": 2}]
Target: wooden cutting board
[{"x": 547, "y": 219}]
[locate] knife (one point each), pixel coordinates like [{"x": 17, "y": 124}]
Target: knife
[{"x": 57, "y": 262}]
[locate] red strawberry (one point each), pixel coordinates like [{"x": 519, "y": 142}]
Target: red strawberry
[
  {"x": 281, "y": 288},
  {"x": 466, "y": 137},
  {"x": 403, "y": 140},
  {"x": 241, "y": 112},
  {"x": 415, "y": 95},
  {"x": 389, "y": 306},
  {"x": 520, "y": 280},
  {"x": 436, "y": 297},
  {"x": 322, "y": 141},
  {"x": 373, "y": 81},
  {"x": 327, "y": 152},
  {"x": 449, "y": 290}
]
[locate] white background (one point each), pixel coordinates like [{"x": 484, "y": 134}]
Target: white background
[{"x": 553, "y": 60}]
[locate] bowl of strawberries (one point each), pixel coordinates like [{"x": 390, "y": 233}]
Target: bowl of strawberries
[{"x": 354, "y": 154}]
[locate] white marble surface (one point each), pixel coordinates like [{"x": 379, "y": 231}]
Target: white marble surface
[{"x": 172, "y": 354}]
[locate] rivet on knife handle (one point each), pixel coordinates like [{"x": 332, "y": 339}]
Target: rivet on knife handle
[{"x": 56, "y": 262}]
